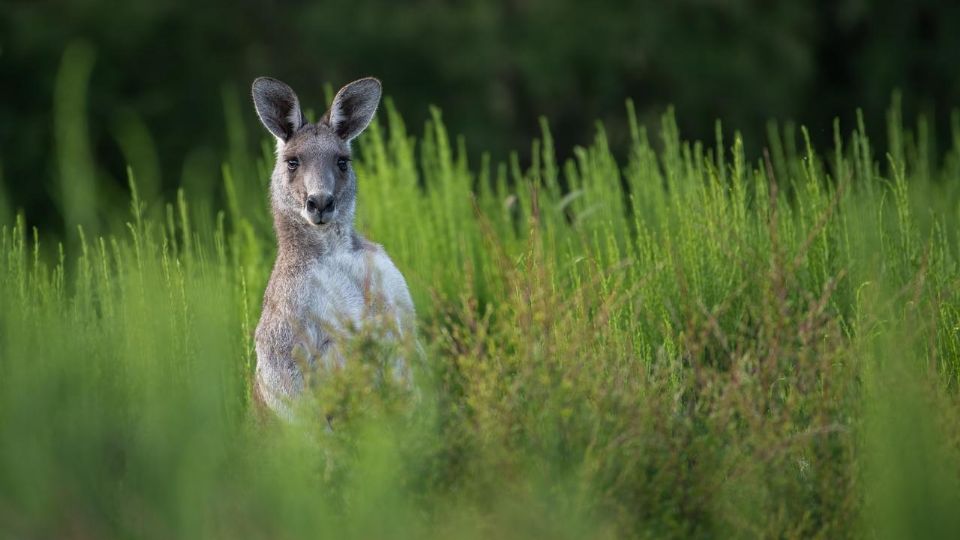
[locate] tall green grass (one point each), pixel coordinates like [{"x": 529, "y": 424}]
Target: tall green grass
[{"x": 690, "y": 342}]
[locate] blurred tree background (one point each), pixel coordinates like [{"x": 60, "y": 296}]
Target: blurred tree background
[{"x": 160, "y": 71}]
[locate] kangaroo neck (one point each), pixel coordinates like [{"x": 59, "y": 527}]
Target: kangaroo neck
[{"x": 298, "y": 240}]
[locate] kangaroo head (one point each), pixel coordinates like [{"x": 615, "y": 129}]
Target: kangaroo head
[{"x": 313, "y": 180}]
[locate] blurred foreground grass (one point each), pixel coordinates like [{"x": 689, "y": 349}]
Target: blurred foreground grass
[{"x": 690, "y": 343}]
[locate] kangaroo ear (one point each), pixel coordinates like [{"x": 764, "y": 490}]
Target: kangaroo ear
[
  {"x": 354, "y": 107},
  {"x": 278, "y": 107}
]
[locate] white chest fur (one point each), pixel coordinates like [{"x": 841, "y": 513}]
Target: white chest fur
[
  {"x": 317, "y": 307},
  {"x": 351, "y": 289}
]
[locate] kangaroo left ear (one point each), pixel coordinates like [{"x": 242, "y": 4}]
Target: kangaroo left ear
[{"x": 353, "y": 107}]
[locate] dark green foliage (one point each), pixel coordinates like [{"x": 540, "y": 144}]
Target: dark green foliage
[{"x": 160, "y": 68}]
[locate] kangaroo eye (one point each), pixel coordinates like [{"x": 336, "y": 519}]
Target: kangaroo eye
[
  {"x": 342, "y": 163},
  {"x": 293, "y": 163}
]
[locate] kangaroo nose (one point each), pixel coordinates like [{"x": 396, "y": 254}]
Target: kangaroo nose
[{"x": 320, "y": 208}]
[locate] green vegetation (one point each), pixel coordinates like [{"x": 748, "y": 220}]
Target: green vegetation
[{"x": 691, "y": 343}]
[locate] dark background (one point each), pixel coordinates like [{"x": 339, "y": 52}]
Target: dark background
[{"x": 161, "y": 69}]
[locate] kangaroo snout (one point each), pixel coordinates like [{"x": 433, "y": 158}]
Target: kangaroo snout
[{"x": 319, "y": 208}]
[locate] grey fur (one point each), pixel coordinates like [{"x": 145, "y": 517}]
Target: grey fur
[{"x": 327, "y": 281}]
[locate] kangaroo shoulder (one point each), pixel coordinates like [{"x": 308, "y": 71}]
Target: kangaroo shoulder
[
  {"x": 383, "y": 270},
  {"x": 281, "y": 300}
]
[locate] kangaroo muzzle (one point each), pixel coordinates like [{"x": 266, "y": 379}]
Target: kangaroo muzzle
[{"x": 319, "y": 208}]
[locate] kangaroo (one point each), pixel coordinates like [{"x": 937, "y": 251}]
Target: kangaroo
[{"x": 327, "y": 281}]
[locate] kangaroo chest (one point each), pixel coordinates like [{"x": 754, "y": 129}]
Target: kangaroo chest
[
  {"x": 333, "y": 293},
  {"x": 309, "y": 308},
  {"x": 349, "y": 290}
]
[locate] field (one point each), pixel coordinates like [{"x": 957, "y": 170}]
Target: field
[{"x": 680, "y": 341}]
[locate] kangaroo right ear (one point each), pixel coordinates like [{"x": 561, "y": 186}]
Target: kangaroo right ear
[{"x": 278, "y": 107}]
